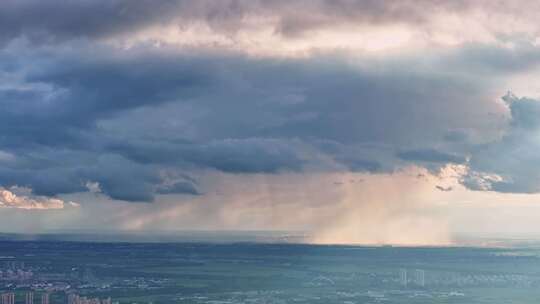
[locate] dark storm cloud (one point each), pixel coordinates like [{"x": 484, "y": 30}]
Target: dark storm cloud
[
  {"x": 181, "y": 187},
  {"x": 496, "y": 61},
  {"x": 84, "y": 86},
  {"x": 117, "y": 177},
  {"x": 430, "y": 155},
  {"x": 43, "y": 182},
  {"x": 510, "y": 164},
  {"x": 249, "y": 155},
  {"x": 456, "y": 136},
  {"x": 525, "y": 112},
  {"x": 118, "y": 117},
  {"x": 53, "y": 21},
  {"x": 360, "y": 165},
  {"x": 76, "y": 111}
]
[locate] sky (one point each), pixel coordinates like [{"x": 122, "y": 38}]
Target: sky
[{"x": 357, "y": 122}]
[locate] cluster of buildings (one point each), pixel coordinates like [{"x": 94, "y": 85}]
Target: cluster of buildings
[
  {"x": 9, "y": 298},
  {"x": 29, "y": 297},
  {"x": 482, "y": 279},
  {"x": 76, "y": 299},
  {"x": 13, "y": 265},
  {"x": 16, "y": 275},
  {"x": 15, "y": 271},
  {"x": 418, "y": 277}
]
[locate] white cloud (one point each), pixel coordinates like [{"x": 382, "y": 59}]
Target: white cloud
[
  {"x": 8, "y": 199},
  {"x": 93, "y": 187}
]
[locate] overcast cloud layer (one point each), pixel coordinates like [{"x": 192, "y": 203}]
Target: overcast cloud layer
[{"x": 139, "y": 100}]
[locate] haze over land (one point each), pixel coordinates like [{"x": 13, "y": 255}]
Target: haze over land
[{"x": 365, "y": 122}]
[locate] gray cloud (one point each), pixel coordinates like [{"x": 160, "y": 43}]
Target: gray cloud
[
  {"x": 118, "y": 117},
  {"x": 511, "y": 163},
  {"x": 431, "y": 155},
  {"x": 76, "y": 110},
  {"x": 181, "y": 187},
  {"x": 56, "y": 21}
]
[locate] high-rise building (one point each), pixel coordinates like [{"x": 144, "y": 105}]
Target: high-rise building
[
  {"x": 45, "y": 298},
  {"x": 420, "y": 277},
  {"x": 403, "y": 276},
  {"x": 72, "y": 298},
  {"x": 8, "y": 298},
  {"x": 29, "y": 298}
]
